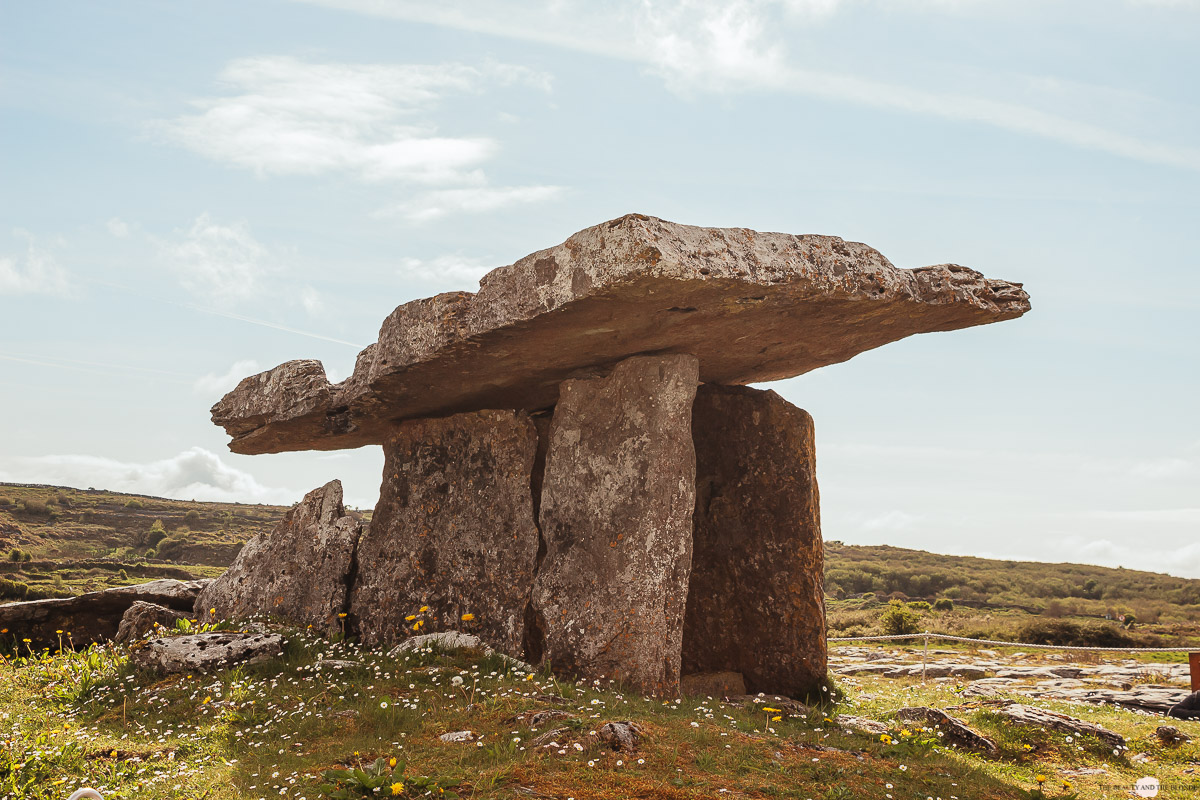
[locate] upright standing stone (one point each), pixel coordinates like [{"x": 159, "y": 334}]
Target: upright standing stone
[
  {"x": 298, "y": 572},
  {"x": 453, "y": 530},
  {"x": 755, "y": 603},
  {"x": 616, "y": 516}
]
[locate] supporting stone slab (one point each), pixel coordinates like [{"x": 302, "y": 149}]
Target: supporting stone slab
[
  {"x": 454, "y": 530},
  {"x": 755, "y": 603},
  {"x": 299, "y": 571},
  {"x": 616, "y": 517}
]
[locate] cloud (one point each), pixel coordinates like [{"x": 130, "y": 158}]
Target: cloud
[
  {"x": 193, "y": 474},
  {"x": 1162, "y": 468},
  {"x": 894, "y": 520},
  {"x": 285, "y": 116},
  {"x": 706, "y": 46},
  {"x": 118, "y": 228},
  {"x": 437, "y": 204},
  {"x": 36, "y": 272},
  {"x": 447, "y": 269},
  {"x": 222, "y": 263},
  {"x": 312, "y": 301},
  {"x": 218, "y": 385},
  {"x": 1142, "y": 553}
]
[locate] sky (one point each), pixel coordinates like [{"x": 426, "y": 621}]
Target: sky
[{"x": 195, "y": 191}]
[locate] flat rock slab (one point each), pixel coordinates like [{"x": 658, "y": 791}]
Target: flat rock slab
[
  {"x": 1041, "y": 718},
  {"x": 751, "y": 306},
  {"x": 91, "y": 617},
  {"x": 616, "y": 517},
  {"x": 755, "y": 599},
  {"x": 954, "y": 730},
  {"x": 207, "y": 652},
  {"x": 297, "y": 572},
  {"x": 453, "y": 532}
]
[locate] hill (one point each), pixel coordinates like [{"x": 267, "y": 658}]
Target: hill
[{"x": 59, "y": 540}]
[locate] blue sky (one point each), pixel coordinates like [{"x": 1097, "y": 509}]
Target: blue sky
[{"x": 194, "y": 191}]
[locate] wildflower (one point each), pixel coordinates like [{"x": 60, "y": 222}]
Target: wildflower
[
  {"x": 384, "y": 704},
  {"x": 59, "y": 631},
  {"x": 883, "y": 737},
  {"x": 207, "y": 700},
  {"x": 776, "y": 719},
  {"x": 1066, "y": 786},
  {"x": 342, "y": 615},
  {"x": 770, "y": 710},
  {"x": 422, "y": 609},
  {"x": 1040, "y": 779},
  {"x": 397, "y": 787},
  {"x": 468, "y": 617},
  {"x": 903, "y": 768},
  {"x": 410, "y": 617},
  {"x": 905, "y": 732},
  {"x": 392, "y": 762},
  {"x": 1028, "y": 747}
]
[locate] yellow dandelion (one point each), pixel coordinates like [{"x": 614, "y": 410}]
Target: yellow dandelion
[
  {"x": 468, "y": 617},
  {"x": 410, "y": 617},
  {"x": 1040, "y": 779},
  {"x": 905, "y": 732},
  {"x": 392, "y": 762},
  {"x": 3, "y": 630},
  {"x": 422, "y": 609},
  {"x": 776, "y": 719},
  {"x": 416, "y": 625},
  {"x": 342, "y": 615},
  {"x": 59, "y": 631},
  {"x": 770, "y": 710},
  {"x": 207, "y": 700},
  {"x": 397, "y": 787}
]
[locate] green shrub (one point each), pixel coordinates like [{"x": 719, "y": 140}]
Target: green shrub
[
  {"x": 27, "y": 556},
  {"x": 919, "y": 605},
  {"x": 13, "y": 590},
  {"x": 943, "y": 604},
  {"x": 898, "y": 619},
  {"x": 1075, "y": 634},
  {"x": 35, "y": 508},
  {"x": 192, "y": 518},
  {"x": 15, "y": 554},
  {"x": 133, "y": 504},
  {"x": 6, "y": 501}
]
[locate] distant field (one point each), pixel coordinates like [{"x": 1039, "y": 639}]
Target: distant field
[{"x": 56, "y": 541}]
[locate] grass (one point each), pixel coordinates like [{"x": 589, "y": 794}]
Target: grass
[{"x": 275, "y": 729}]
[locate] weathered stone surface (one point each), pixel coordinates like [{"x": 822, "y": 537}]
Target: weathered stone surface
[
  {"x": 862, "y": 724},
  {"x": 751, "y": 306},
  {"x": 91, "y": 617},
  {"x": 1169, "y": 734},
  {"x": 621, "y": 736},
  {"x": 755, "y": 603},
  {"x": 298, "y": 572},
  {"x": 1041, "y": 718},
  {"x": 447, "y": 640},
  {"x": 616, "y": 517},
  {"x": 458, "y": 737},
  {"x": 142, "y": 618},
  {"x": 712, "y": 684},
  {"x": 206, "y": 652},
  {"x": 954, "y": 730},
  {"x": 453, "y": 530}
]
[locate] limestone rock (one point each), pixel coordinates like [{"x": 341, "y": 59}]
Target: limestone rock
[
  {"x": 540, "y": 718},
  {"x": 446, "y": 640},
  {"x": 142, "y": 618},
  {"x": 1041, "y": 718},
  {"x": 756, "y": 602},
  {"x": 862, "y": 725},
  {"x": 717, "y": 685},
  {"x": 206, "y": 652},
  {"x": 621, "y": 736},
  {"x": 1169, "y": 734},
  {"x": 751, "y": 306},
  {"x": 91, "y": 617},
  {"x": 616, "y": 518},
  {"x": 453, "y": 530},
  {"x": 297, "y": 572},
  {"x": 458, "y": 737},
  {"x": 954, "y": 731}
]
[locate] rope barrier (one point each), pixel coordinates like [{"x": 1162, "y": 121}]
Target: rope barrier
[{"x": 927, "y": 636}]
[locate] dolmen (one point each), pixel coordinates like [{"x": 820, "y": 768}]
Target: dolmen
[{"x": 575, "y": 470}]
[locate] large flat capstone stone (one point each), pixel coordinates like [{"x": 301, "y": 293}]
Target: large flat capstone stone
[
  {"x": 755, "y": 599},
  {"x": 453, "y": 532},
  {"x": 616, "y": 517},
  {"x": 750, "y": 306},
  {"x": 298, "y": 572}
]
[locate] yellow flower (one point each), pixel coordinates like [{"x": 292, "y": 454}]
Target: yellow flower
[
  {"x": 207, "y": 700},
  {"x": 342, "y": 615},
  {"x": 905, "y": 732},
  {"x": 59, "y": 631},
  {"x": 1066, "y": 786},
  {"x": 1028, "y": 747},
  {"x": 1040, "y": 779},
  {"x": 410, "y": 617},
  {"x": 212, "y": 611},
  {"x": 416, "y": 625},
  {"x": 883, "y": 737},
  {"x": 3, "y": 630},
  {"x": 397, "y": 787},
  {"x": 113, "y": 754},
  {"x": 776, "y": 719},
  {"x": 770, "y": 710},
  {"x": 392, "y": 762},
  {"x": 468, "y": 617},
  {"x": 423, "y": 609}
]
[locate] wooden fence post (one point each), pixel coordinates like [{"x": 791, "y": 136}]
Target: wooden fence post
[{"x": 1194, "y": 663}]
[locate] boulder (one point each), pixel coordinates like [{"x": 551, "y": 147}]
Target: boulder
[
  {"x": 297, "y": 572},
  {"x": 954, "y": 731},
  {"x": 1019, "y": 714},
  {"x": 755, "y": 602},
  {"x": 862, "y": 725},
  {"x": 91, "y": 617},
  {"x": 1170, "y": 735},
  {"x": 143, "y": 618},
  {"x": 206, "y": 652},
  {"x": 446, "y": 640},
  {"x": 750, "y": 306},
  {"x": 718, "y": 685},
  {"x": 453, "y": 531},
  {"x": 616, "y": 518},
  {"x": 623, "y": 737}
]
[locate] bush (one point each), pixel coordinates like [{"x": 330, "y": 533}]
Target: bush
[
  {"x": 192, "y": 518},
  {"x": 943, "y": 604},
  {"x": 13, "y": 590},
  {"x": 15, "y": 554},
  {"x": 27, "y": 556},
  {"x": 151, "y": 553},
  {"x": 1075, "y": 634},
  {"x": 898, "y": 619},
  {"x": 6, "y": 501},
  {"x": 919, "y": 605},
  {"x": 133, "y": 504},
  {"x": 35, "y": 508}
]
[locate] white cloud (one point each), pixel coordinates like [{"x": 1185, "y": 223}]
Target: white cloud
[
  {"x": 312, "y": 301},
  {"x": 1189, "y": 516},
  {"x": 118, "y": 228},
  {"x": 193, "y": 474},
  {"x": 1162, "y": 468},
  {"x": 894, "y": 520},
  {"x": 702, "y": 46},
  {"x": 36, "y": 272},
  {"x": 434, "y": 205},
  {"x": 218, "y": 385},
  {"x": 286, "y": 116},
  {"x": 223, "y": 263},
  {"x": 453, "y": 270}
]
